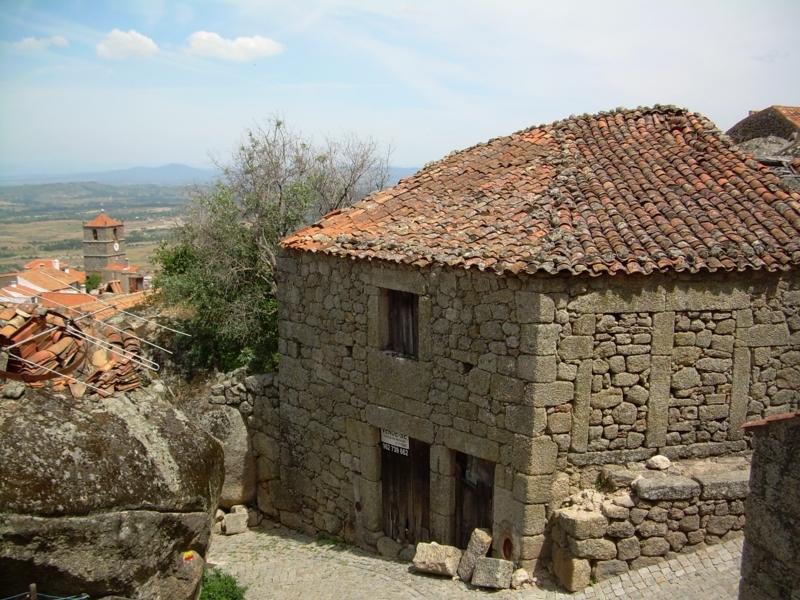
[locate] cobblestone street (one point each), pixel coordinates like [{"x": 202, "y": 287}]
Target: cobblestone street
[{"x": 278, "y": 564}]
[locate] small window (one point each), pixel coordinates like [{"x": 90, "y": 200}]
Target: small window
[
  {"x": 403, "y": 326},
  {"x": 94, "y": 234},
  {"x": 115, "y": 233}
]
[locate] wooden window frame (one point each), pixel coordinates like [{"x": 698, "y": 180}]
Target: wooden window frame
[{"x": 402, "y": 323}]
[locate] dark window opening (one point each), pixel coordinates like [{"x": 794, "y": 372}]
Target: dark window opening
[
  {"x": 474, "y": 496},
  {"x": 94, "y": 234},
  {"x": 115, "y": 233},
  {"x": 403, "y": 323}
]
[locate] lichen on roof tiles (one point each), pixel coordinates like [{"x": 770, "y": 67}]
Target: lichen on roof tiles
[{"x": 627, "y": 191}]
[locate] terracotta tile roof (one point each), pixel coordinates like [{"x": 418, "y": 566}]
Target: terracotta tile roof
[
  {"x": 121, "y": 268},
  {"x": 18, "y": 290},
  {"x": 49, "y": 279},
  {"x": 790, "y": 113},
  {"x": 629, "y": 191},
  {"x": 103, "y": 220},
  {"x": 62, "y": 299},
  {"x": 37, "y": 263}
]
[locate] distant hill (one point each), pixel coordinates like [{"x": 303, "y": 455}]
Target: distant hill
[{"x": 172, "y": 174}]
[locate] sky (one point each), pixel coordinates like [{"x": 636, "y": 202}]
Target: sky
[{"x": 90, "y": 85}]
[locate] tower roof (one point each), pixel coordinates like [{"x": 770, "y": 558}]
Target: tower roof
[{"x": 103, "y": 220}]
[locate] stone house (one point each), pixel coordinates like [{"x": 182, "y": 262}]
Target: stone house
[
  {"x": 104, "y": 254},
  {"x": 468, "y": 347}
]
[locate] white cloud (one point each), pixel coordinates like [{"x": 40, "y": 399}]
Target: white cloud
[
  {"x": 32, "y": 43},
  {"x": 126, "y": 44},
  {"x": 211, "y": 45}
]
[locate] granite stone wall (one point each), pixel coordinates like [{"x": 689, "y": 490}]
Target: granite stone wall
[
  {"x": 642, "y": 517},
  {"x": 549, "y": 378},
  {"x": 771, "y": 556}
]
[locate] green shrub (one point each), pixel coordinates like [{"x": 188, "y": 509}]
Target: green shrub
[{"x": 219, "y": 585}]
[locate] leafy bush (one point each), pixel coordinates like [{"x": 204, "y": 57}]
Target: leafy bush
[
  {"x": 93, "y": 282},
  {"x": 218, "y": 585}
]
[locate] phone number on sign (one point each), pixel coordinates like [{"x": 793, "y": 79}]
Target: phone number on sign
[{"x": 395, "y": 449}]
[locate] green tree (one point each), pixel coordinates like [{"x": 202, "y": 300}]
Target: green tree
[
  {"x": 93, "y": 282},
  {"x": 221, "y": 262}
]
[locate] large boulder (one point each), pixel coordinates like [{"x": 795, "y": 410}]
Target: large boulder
[
  {"x": 227, "y": 424},
  {"x": 103, "y": 495}
]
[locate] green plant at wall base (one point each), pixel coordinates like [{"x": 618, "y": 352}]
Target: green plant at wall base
[
  {"x": 218, "y": 585},
  {"x": 92, "y": 282}
]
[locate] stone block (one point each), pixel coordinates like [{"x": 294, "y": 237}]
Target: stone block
[
  {"x": 593, "y": 548},
  {"x": 614, "y": 477},
  {"x": 540, "y": 339},
  {"x": 559, "y": 422},
  {"x": 479, "y": 543},
  {"x": 581, "y": 406},
  {"x": 549, "y": 394},
  {"x": 493, "y": 573},
  {"x": 740, "y": 392},
  {"x": 573, "y": 573},
  {"x": 720, "y": 525},
  {"x": 689, "y": 523},
  {"x": 764, "y": 335},
  {"x": 624, "y": 414},
  {"x": 614, "y": 511},
  {"x": 506, "y": 389},
  {"x": 663, "y": 330},
  {"x": 388, "y": 548},
  {"x": 403, "y": 376},
  {"x": 437, "y": 559},
  {"x": 620, "y": 529},
  {"x": 535, "y": 456},
  {"x": 534, "y": 308},
  {"x": 533, "y": 520},
  {"x": 666, "y": 487},
  {"x": 725, "y": 485},
  {"x": 686, "y": 378},
  {"x": 581, "y": 524},
  {"x": 584, "y": 325},
  {"x": 658, "y": 403},
  {"x": 606, "y": 399},
  {"x": 234, "y": 523},
  {"x": 538, "y": 368},
  {"x": 654, "y": 546},
  {"x": 608, "y": 568},
  {"x": 713, "y": 411},
  {"x": 575, "y": 346},
  {"x": 628, "y": 548},
  {"x": 532, "y": 489},
  {"x": 519, "y": 578}
]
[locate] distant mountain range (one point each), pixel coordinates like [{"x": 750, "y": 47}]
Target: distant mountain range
[{"x": 172, "y": 174}]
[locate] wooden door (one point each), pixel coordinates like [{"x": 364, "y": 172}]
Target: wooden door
[
  {"x": 406, "y": 493},
  {"x": 474, "y": 491}
]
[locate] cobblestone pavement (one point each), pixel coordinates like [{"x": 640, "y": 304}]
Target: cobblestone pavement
[{"x": 279, "y": 564}]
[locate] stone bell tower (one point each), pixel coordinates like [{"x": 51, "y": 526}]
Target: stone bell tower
[{"x": 103, "y": 243}]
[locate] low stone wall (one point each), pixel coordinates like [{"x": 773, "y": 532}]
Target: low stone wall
[
  {"x": 771, "y": 557},
  {"x": 648, "y": 517}
]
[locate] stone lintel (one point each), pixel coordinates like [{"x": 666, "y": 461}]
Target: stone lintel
[
  {"x": 471, "y": 444},
  {"x": 400, "y": 279},
  {"x": 658, "y": 402},
  {"x": 621, "y": 300},
  {"x": 707, "y": 295},
  {"x": 387, "y": 418},
  {"x": 764, "y": 335}
]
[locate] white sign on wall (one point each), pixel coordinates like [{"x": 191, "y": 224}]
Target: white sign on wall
[{"x": 394, "y": 442}]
